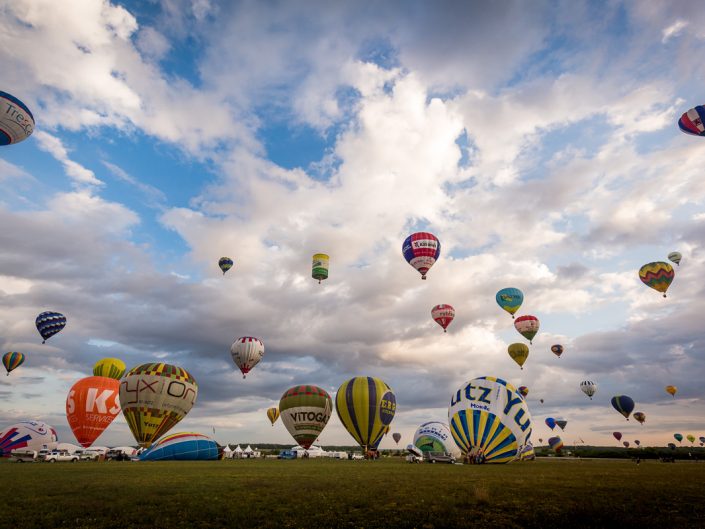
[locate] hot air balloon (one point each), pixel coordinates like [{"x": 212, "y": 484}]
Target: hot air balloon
[
  {"x": 421, "y": 250},
  {"x": 555, "y": 443},
  {"x": 617, "y": 435},
  {"x": 551, "y": 422},
  {"x": 557, "y": 350},
  {"x": 273, "y": 414},
  {"x": 16, "y": 121},
  {"x": 247, "y": 352},
  {"x": 305, "y": 411},
  {"x": 27, "y": 435},
  {"x": 540, "y": 440},
  {"x": 91, "y": 405},
  {"x": 396, "y": 437},
  {"x": 701, "y": 439},
  {"x": 443, "y": 315},
  {"x": 225, "y": 264},
  {"x": 588, "y": 387},
  {"x": 527, "y": 326},
  {"x": 562, "y": 423},
  {"x": 519, "y": 353},
  {"x": 637, "y": 442},
  {"x": 109, "y": 367},
  {"x": 672, "y": 446},
  {"x": 12, "y": 361},
  {"x": 623, "y": 405},
  {"x": 49, "y": 323},
  {"x": 510, "y": 299},
  {"x": 183, "y": 446},
  {"x": 691, "y": 122},
  {"x": 541, "y": 401},
  {"x": 626, "y": 444},
  {"x": 154, "y": 397},
  {"x": 365, "y": 406},
  {"x": 672, "y": 390},
  {"x": 488, "y": 416},
  {"x": 435, "y": 436},
  {"x": 690, "y": 438},
  {"x": 523, "y": 391},
  {"x": 319, "y": 267},
  {"x": 657, "y": 275},
  {"x": 675, "y": 257},
  {"x": 678, "y": 437}
]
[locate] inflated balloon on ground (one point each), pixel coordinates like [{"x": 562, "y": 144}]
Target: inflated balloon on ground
[
  {"x": 183, "y": 446},
  {"x": 305, "y": 411},
  {"x": 91, "y": 405},
  {"x": 435, "y": 436},
  {"x": 27, "y": 435},
  {"x": 366, "y": 407}
]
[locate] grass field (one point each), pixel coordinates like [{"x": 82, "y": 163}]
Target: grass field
[{"x": 331, "y": 493}]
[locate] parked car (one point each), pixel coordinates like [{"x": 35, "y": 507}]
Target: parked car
[
  {"x": 439, "y": 457},
  {"x": 60, "y": 455},
  {"x": 22, "y": 456},
  {"x": 413, "y": 458}
]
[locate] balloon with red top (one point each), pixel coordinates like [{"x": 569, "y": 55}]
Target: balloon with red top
[{"x": 421, "y": 250}]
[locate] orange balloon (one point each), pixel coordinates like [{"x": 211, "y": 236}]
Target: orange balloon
[{"x": 91, "y": 406}]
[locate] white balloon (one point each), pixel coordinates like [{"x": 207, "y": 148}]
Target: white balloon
[
  {"x": 247, "y": 352},
  {"x": 588, "y": 387},
  {"x": 27, "y": 435},
  {"x": 435, "y": 436}
]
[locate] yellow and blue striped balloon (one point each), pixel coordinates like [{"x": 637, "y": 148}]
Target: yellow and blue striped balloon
[
  {"x": 110, "y": 368},
  {"x": 366, "y": 407},
  {"x": 12, "y": 360}
]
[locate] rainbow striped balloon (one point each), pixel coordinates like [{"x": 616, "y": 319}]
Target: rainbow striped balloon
[
  {"x": 12, "y": 360},
  {"x": 657, "y": 275}
]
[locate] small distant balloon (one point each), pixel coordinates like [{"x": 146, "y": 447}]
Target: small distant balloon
[
  {"x": 691, "y": 122},
  {"x": 225, "y": 264},
  {"x": 672, "y": 391},
  {"x": 540, "y": 440},
  {"x": 639, "y": 416},
  {"x": 678, "y": 437},
  {"x": 49, "y": 323},
  {"x": 561, "y": 423},
  {"x": 273, "y": 414},
  {"x": 523, "y": 391},
  {"x": 443, "y": 315},
  {"x": 657, "y": 275},
  {"x": 690, "y": 438},
  {"x": 110, "y": 368},
  {"x": 527, "y": 326},
  {"x": 675, "y": 257},
  {"x": 519, "y": 353},
  {"x": 396, "y": 437},
  {"x": 16, "y": 120},
  {"x": 623, "y": 404},
  {"x": 551, "y": 422},
  {"x": 626, "y": 444},
  {"x": 701, "y": 439},
  {"x": 510, "y": 299},
  {"x": 541, "y": 401},
  {"x": 12, "y": 361},
  {"x": 617, "y": 435},
  {"x": 588, "y": 387},
  {"x": 557, "y": 350},
  {"x": 421, "y": 250},
  {"x": 320, "y": 266},
  {"x": 555, "y": 443},
  {"x": 672, "y": 446},
  {"x": 637, "y": 442}
]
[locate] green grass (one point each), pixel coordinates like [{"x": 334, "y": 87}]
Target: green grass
[{"x": 330, "y": 493}]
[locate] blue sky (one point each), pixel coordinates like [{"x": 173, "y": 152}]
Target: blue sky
[{"x": 172, "y": 133}]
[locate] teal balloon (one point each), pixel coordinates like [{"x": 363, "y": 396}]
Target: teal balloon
[
  {"x": 623, "y": 404},
  {"x": 678, "y": 437},
  {"x": 510, "y": 299}
]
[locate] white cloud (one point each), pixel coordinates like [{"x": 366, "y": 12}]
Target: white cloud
[{"x": 74, "y": 170}]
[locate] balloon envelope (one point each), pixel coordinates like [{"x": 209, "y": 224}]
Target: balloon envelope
[
  {"x": 109, "y": 367},
  {"x": 523, "y": 391},
  {"x": 617, "y": 435},
  {"x": 273, "y": 415},
  {"x": 305, "y": 411},
  {"x": 319, "y": 266},
  {"x": 671, "y": 390},
  {"x": 519, "y": 353},
  {"x": 527, "y": 326},
  {"x": 183, "y": 446},
  {"x": 49, "y": 323},
  {"x": 561, "y": 423},
  {"x": 366, "y": 406},
  {"x": 225, "y": 264},
  {"x": 639, "y": 416},
  {"x": 510, "y": 299},
  {"x": 691, "y": 122},
  {"x": 435, "y": 436},
  {"x": 12, "y": 361},
  {"x": 675, "y": 257},
  {"x": 678, "y": 437},
  {"x": 443, "y": 315},
  {"x": 557, "y": 350},
  {"x": 396, "y": 437},
  {"x": 623, "y": 404},
  {"x": 154, "y": 397},
  {"x": 247, "y": 351},
  {"x": 637, "y": 442},
  {"x": 672, "y": 446},
  {"x": 556, "y": 443},
  {"x": 588, "y": 387},
  {"x": 690, "y": 438},
  {"x": 27, "y": 435},
  {"x": 91, "y": 405},
  {"x": 16, "y": 120},
  {"x": 550, "y": 422},
  {"x": 657, "y": 275},
  {"x": 626, "y": 444},
  {"x": 421, "y": 250},
  {"x": 487, "y": 415}
]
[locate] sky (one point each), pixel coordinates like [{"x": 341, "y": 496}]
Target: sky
[{"x": 539, "y": 145}]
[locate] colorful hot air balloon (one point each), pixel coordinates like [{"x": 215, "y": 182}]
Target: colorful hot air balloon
[
  {"x": 488, "y": 416},
  {"x": 678, "y": 437},
  {"x": 225, "y": 264},
  {"x": 443, "y": 315},
  {"x": 510, "y": 299},
  {"x": 551, "y": 422},
  {"x": 319, "y": 267},
  {"x": 91, "y": 405},
  {"x": 672, "y": 390},
  {"x": 183, "y": 446},
  {"x": 435, "y": 436},
  {"x": 557, "y": 350},
  {"x": 519, "y": 353},
  {"x": 588, "y": 387},
  {"x": 27, "y": 435},
  {"x": 657, "y": 275},
  {"x": 273, "y": 414},
  {"x": 365, "y": 406},
  {"x": 527, "y": 326},
  {"x": 396, "y": 437},
  {"x": 523, "y": 391},
  {"x": 305, "y": 411},
  {"x": 16, "y": 121},
  {"x": 639, "y": 416},
  {"x": 49, "y": 323},
  {"x": 562, "y": 423},
  {"x": 690, "y": 438},
  {"x": 675, "y": 257},
  {"x": 109, "y": 367},
  {"x": 154, "y": 397},
  {"x": 623, "y": 405},
  {"x": 626, "y": 444},
  {"x": 421, "y": 250},
  {"x": 691, "y": 122},
  {"x": 617, "y": 435},
  {"x": 12, "y": 361},
  {"x": 555, "y": 443},
  {"x": 247, "y": 352}
]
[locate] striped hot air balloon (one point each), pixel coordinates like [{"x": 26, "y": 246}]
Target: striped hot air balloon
[
  {"x": 16, "y": 120},
  {"x": 109, "y": 367},
  {"x": 691, "y": 122},
  {"x": 443, "y": 315},
  {"x": 588, "y": 387},
  {"x": 273, "y": 414},
  {"x": 657, "y": 275},
  {"x": 305, "y": 411},
  {"x": 527, "y": 326},
  {"x": 12, "y": 360},
  {"x": 366, "y": 406},
  {"x": 49, "y": 323},
  {"x": 675, "y": 257},
  {"x": 556, "y": 443},
  {"x": 421, "y": 250},
  {"x": 247, "y": 351}
]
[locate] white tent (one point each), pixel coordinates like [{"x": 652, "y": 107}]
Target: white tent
[
  {"x": 248, "y": 450},
  {"x": 237, "y": 453},
  {"x": 227, "y": 452}
]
